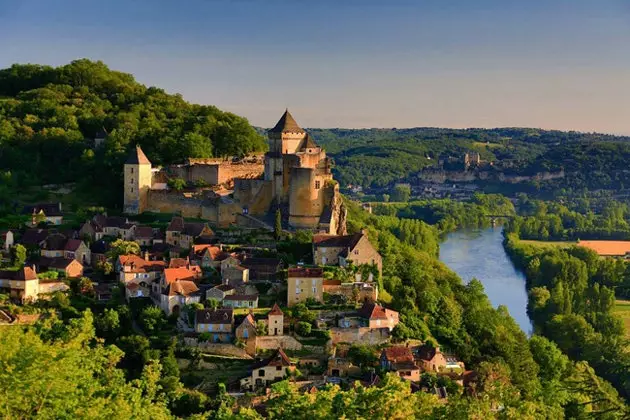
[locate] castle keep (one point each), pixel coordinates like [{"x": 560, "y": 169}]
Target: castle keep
[{"x": 294, "y": 176}]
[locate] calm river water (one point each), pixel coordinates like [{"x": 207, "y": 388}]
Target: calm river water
[{"x": 480, "y": 254}]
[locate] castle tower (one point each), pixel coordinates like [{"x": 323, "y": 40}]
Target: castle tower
[
  {"x": 137, "y": 179},
  {"x": 285, "y": 138}
]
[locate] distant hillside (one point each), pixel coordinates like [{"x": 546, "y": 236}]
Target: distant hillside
[
  {"x": 379, "y": 157},
  {"x": 49, "y": 117}
]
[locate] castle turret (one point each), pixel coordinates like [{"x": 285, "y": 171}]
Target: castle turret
[
  {"x": 137, "y": 178},
  {"x": 285, "y": 138}
]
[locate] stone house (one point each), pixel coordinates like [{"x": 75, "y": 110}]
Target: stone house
[
  {"x": 377, "y": 316},
  {"x": 133, "y": 268},
  {"x": 183, "y": 234},
  {"x": 53, "y": 246},
  {"x": 78, "y": 250},
  {"x": 69, "y": 267},
  {"x": 91, "y": 230},
  {"x": 206, "y": 255},
  {"x": 275, "y": 321},
  {"x": 268, "y": 371},
  {"x": 143, "y": 236},
  {"x": 240, "y": 301},
  {"x": 246, "y": 329},
  {"x": 235, "y": 275},
  {"x": 305, "y": 283},
  {"x": 343, "y": 249},
  {"x": 400, "y": 359},
  {"x": 98, "y": 251},
  {"x": 21, "y": 285},
  {"x": 220, "y": 292},
  {"x": 339, "y": 365},
  {"x": 433, "y": 360},
  {"x": 263, "y": 269},
  {"x": 47, "y": 212},
  {"x": 218, "y": 322},
  {"x": 176, "y": 288}
]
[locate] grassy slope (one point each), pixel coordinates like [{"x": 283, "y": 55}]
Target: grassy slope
[{"x": 622, "y": 309}]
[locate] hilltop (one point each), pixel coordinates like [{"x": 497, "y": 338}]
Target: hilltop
[{"x": 51, "y": 120}]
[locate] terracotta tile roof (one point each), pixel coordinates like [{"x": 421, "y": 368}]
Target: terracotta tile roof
[
  {"x": 332, "y": 282},
  {"x": 215, "y": 316},
  {"x": 213, "y": 250},
  {"x": 287, "y": 124},
  {"x": 174, "y": 274},
  {"x": 306, "y": 272},
  {"x": 178, "y": 262},
  {"x": 249, "y": 319},
  {"x": 371, "y": 310},
  {"x": 73, "y": 244},
  {"x": 607, "y": 248},
  {"x": 397, "y": 354},
  {"x": 137, "y": 157},
  {"x": 140, "y": 265},
  {"x": 405, "y": 365},
  {"x": 181, "y": 287},
  {"x": 275, "y": 310}
]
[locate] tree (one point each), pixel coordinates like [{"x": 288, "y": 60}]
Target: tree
[
  {"x": 108, "y": 324},
  {"x": 261, "y": 328},
  {"x": 362, "y": 355},
  {"x": 18, "y": 255},
  {"x": 401, "y": 193},
  {"x": 152, "y": 319},
  {"x": 303, "y": 329},
  {"x": 278, "y": 225},
  {"x": 105, "y": 267},
  {"x": 176, "y": 184},
  {"x": 122, "y": 247}
]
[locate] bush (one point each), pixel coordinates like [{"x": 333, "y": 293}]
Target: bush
[{"x": 303, "y": 329}]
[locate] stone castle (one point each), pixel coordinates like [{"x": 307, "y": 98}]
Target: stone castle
[{"x": 294, "y": 176}]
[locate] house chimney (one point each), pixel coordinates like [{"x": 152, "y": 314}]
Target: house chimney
[
  {"x": 146, "y": 255},
  {"x": 364, "y": 231}
]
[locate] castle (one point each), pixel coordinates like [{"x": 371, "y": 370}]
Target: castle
[{"x": 294, "y": 176}]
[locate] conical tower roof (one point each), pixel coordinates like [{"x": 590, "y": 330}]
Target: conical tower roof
[
  {"x": 137, "y": 157},
  {"x": 287, "y": 124},
  {"x": 308, "y": 143}
]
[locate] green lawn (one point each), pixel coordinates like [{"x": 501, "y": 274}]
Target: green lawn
[
  {"x": 622, "y": 309},
  {"x": 548, "y": 244}
]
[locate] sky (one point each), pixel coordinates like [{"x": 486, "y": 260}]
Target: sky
[{"x": 554, "y": 64}]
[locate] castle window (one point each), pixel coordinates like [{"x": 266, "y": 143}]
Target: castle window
[
  {"x": 131, "y": 170},
  {"x": 131, "y": 189},
  {"x": 131, "y": 182},
  {"x": 318, "y": 185}
]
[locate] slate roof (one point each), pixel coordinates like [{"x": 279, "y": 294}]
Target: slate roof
[
  {"x": 137, "y": 157},
  {"x": 287, "y": 124},
  {"x": 425, "y": 352},
  {"x": 73, "y": 244},
  {"x": 224, "y": 287},
  {"x": 58, "y": 263},
  {"x": 215, "y": 316},
  {"x": 306, "y": 272},
  {"x": 246, "y": 298},
  {"x": 337, "y": 241},
  {"x": 55, "y": 241},
  {"x": 33, "y": 237},
  {"x": 144, "y": 232},
  {"x": 24, "y": 273},
  {"x": 279, "y": 358},
  {"x": 115, "y": 221},
  {"x": 99, "y": 247}
]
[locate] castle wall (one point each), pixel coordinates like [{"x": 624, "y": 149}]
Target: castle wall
[
  {"x": 256, "y": 194},
  {"x": 306, "y": 201},
  {"x": 215, "y": 171},
  {"x": 163, "y": 201}
]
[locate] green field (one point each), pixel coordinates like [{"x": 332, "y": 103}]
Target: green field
[
  {"x": 622, "y": 309},
  {"x": 548, "y": 244}
]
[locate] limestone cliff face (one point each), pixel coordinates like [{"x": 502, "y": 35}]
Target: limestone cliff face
[{"x": 339, "y": 215}]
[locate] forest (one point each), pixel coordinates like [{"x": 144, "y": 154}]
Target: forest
[
  {"x": 378, "y": 158},
  {"x": 50, "y": 116}
]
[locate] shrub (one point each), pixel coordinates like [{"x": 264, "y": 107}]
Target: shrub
[{"x": 303, "y": 329}]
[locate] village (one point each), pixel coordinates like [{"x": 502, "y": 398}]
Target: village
[{"x": 317, "y": 321}]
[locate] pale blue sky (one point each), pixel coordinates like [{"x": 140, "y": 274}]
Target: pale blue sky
[{"x": 353, "y": 63}]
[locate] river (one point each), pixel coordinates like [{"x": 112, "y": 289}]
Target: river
[{"x": 480, "y": 254}]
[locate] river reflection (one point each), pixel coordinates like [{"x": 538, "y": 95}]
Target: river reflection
[{"x": 480, "y": 254}]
